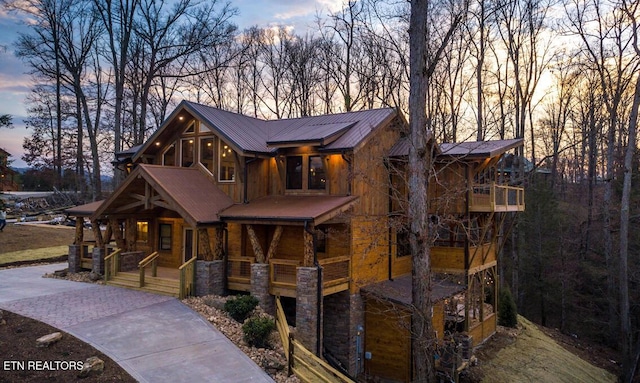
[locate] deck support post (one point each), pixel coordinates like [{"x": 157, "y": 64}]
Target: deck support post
[
  {"x": 260, "y": 287},
  {"x": 74, "y": 258},
  {"x": 308, "y": 308}
]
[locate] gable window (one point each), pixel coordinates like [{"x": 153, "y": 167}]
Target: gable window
[
  {"x": 206, "y": 153},
  {"x": 165, "y": 236},
  {"x": 227, "y": 163},
  {"x": 294, "y": 172},
  {"x": 317, "y": 178},
  {"x": 187, "y": 146},
  {"x": 169, "y": 156}
]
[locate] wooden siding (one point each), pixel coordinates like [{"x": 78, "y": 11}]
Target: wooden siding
[
  {"x": 452, "y": 258},
  {"x": 370, "y": 252},
  {"x": 387, "y": 338},
  {"x": 235, "y": 236},
  {"x": 370, "y": 176},
  {"x": 448, "y": 191}
]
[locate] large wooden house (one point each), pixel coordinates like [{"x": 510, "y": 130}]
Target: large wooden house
[{"x": 306, "y": 209}]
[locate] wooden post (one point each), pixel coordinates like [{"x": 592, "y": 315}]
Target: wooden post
[
  {"x": 218, "y": 250},
  {"x": 117, "y": 233},
  {"x": 79, "y": 237},
  {"x": 308, "y": 246},
  {"x": 130, "y": 232},
  {"x": 97, "y": 234},
  {"x": 274, "y": 243},
  {"x": 255, "y": 244},
  {"x": 108, "y": 233},
  {"x": 204, "y": 246}
]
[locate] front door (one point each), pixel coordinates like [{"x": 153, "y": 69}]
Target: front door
[{"x": 188, "y": 245}]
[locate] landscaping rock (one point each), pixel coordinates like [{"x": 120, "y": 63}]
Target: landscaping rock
[
  {"x": 92, "y": 366},
  {"x": 2, "y": 321},
  {"x": 93, "y": 276},
  {"x": 48, "y": 340},
  {"x": 60, "y": 273}
]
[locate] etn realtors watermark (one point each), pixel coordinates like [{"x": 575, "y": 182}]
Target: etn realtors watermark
[{"x": 42, "y": 365}]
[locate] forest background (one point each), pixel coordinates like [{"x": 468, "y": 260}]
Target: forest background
[{"x": 564, "y": 75}]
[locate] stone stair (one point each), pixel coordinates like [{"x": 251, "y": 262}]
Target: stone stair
[{"x": 156, "y": 285}]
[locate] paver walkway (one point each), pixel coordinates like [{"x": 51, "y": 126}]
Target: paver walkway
[{"x": 154, "y": 337}]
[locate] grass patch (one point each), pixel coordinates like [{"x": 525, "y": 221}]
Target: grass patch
[
  {"x": 535, "y": 357},
  {"x": 33, "y": 254}
]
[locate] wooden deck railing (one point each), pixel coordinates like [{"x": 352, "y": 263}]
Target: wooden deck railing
[
  {"x": 493, "y": 197},
  {"x": 111, "y": 264},
  {"x": 336, "y": 274},
  {"x": 283, "y": 272},
  {"x": 187, "y": 278},
  {"x": 142, "y": 265},
  {"x": 239, "y": 273},
  {"x": 302, "y": 362}
]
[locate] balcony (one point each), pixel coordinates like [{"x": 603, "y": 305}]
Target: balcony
[
  {"x": 486, "y": 198},
  {"x": 336, "y": 273}
]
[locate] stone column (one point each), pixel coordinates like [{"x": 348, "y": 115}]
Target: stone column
[
  {"x": 74, "y": 258},
  {"x": 260, "y": 287},
  {"x": 210, "y": 278},
  {"x": 98, "y": 260},
  {"x": 309, "y": 309}
]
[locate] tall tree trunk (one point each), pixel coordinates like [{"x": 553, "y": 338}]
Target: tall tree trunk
[
  {"x": 423, "y": 338},
  {"x": 626, "y": 334}
]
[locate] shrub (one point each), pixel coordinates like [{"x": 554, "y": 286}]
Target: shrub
[
  {"x": 257, "y": 330},
  {"x": 507, "y": 311},
  {"x": 240, "y": 307}
]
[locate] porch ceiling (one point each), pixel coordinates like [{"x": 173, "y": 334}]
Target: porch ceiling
[
  {"x": 188, "y": 191},
  {"x": 289, "y": 209}
]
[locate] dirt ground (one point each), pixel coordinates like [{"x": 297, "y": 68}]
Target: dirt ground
[
  {"x": 17, "y": 237},
  {"x": 22, "y": 362}
]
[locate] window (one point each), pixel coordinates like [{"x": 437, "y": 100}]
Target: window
[
  {"x": 187, "y": 146},
  {"x": 206, "y": 153},
  {"x": 317, "y": 179},
  {"x": 142, "y": 234},
  {"x": 227, "y": 163},
  {"x": 191, "y": 128},
  {"x": 294, "y": 172},
  {"x": 169, "y": 156},
  {"x": 403, "y": 247},
  {"x": 165, "y": 236}
]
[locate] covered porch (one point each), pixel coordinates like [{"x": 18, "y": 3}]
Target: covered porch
[
  {"x": 151, "y": 232},
  {"x": 282, "y": 234}
]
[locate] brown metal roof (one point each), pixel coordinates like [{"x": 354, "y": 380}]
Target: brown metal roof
[
  {"x": 85, "y": 210},
  {"x": 250, "y": 135},
  {"x": 471, "y": 150},
  {"x": 479, "y": 149},
  {"x": 399, "y": 289},
  {"x": 191, "y": 192},
  {"x": 316, "y": 209},
  {"x": 315, "y": 134}
]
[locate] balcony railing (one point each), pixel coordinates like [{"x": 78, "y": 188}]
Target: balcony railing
[
  {"x": 498, "y": 198},
  {"x": 283, "y": 274}
]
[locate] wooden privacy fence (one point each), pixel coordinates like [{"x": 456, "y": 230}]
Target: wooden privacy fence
[{"x": 302, "y": 362}]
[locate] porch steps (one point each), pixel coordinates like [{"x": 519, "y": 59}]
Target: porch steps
[{"x": 156, "y": 285}]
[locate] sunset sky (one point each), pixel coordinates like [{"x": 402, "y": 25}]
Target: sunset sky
[{"x": 15, "y": 81}]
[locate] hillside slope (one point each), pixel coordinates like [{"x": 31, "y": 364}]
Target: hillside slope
[{"x": 535, "y": 357}]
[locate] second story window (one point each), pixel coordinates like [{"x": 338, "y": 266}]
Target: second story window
[
  {"x": 294, "y": 172},
  {"x": 169, "y": 156},
  {"x": 227, "y": 163},
  {"x": 187, "y": 149},
  {"x": 317, "y": 178},
  {"x": 206, "y": 153}
]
